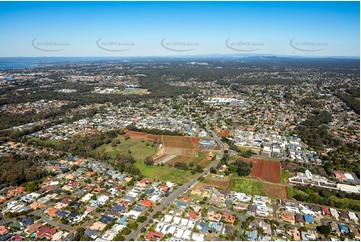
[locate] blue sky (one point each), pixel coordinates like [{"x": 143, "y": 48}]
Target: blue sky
[{"x": 186, "y": 28}]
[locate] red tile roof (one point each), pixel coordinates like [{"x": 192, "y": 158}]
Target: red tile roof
[
  {"x": 153, "y": 234},
  {"x": 147, "y": 203},
  {"x": 326, "y": 210},
  {"x": 192, "y": 215},
  {"x": 46, "y": 231}
]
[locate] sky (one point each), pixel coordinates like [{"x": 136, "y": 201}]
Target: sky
[{"x": 34, "y": 29}]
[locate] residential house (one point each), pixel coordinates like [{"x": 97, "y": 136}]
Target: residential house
[
  {"x": 154, "y": 236},
  {"x": 309, "y": 219},
  {"x": 3, "y": 230},
  {"x": 353, "y": 216},
  {"x": 355, "y": 231},
  {"x": 343, "y": 228},
  {"x": 296, "y": 236},
  {"x": 307, "y": 236},
  {"x": 45, "y": 232},
  {"x": 335, "y": 228},
  {"x": 252, "y": 209},
  {"x": 252, "y": 236},
  {"x": 213, "y": 216},
  {"x": 343, "y": 215},
  {"x": 288, "y": 216},
  {"x": 33, "y": 228},
  {"x": 299, "y": 218},
  {"x": 334, "y": 213}
]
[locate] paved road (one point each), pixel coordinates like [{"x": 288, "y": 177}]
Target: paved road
[
  {"x": 40, "y": 213},
  {"x": 324, "y": 221},
  {"x": 173, "y": 196},
  {"x": 275, "y": 208}
]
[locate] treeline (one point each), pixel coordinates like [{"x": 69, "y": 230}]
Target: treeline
[
  {"x": 153, "y": 131},
  {"x": 351, "y": 98},
  {"x": 84, "y": 145},
  {"x": 323, "y": 196},
  {"x": 345, "y": 157},
  {"x": 240, "y": 167},
  {"x": 125, "y": 163},
  {"x": 17, "y": 169},
  {"x": 314, "y": 131}
]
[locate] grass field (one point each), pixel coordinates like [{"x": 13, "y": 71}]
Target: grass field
[
  {"x": 222, "y": 183},
  {"x": 137, "y": 91},
  {"x": 247, "y": 186},
  {"x": 285, "y": 175},
  {"x": 197, "y": 160},
  {"x": 47, "y": 141},
  {"x": 165, "y": 173},
  {"x": 245, "y": 148},
  {"x": 140, "y": 150}
]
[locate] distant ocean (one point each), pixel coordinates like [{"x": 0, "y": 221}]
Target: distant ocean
[{"x": 7, "y": 63}]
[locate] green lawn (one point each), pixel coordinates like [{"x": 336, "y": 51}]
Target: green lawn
[
  {"x": 197, "y": 160},
  {"x": 140, "y": 150},
  {"x": 165, "y": 173},
  {"x": 285, "y": 175},
  {"x": 247, "y": 186},
  {"x": 137, "y": 91},
  {"x": 46, "y": 141}
]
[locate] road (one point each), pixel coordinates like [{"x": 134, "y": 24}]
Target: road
[
  {"x": 40, "y": 213},
  {"x": 174, "y": 195},
  {"x": 324, "y": 221}
]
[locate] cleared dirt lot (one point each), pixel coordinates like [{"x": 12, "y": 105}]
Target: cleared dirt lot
[
  {"x": 178, "y": 142},
  {"x": 267, "y": 170}
]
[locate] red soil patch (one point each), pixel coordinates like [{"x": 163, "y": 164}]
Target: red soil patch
[
  {"x": 154, "y": 137},
  {"x": 129, "y": 132},
  {"x": 195, "y": 141},
  {"x": 275, "y": 191},
  {"x": 204, "y": 162},
  {"x": 267, "y": 170},
  {"x": 178, "y": 142}
]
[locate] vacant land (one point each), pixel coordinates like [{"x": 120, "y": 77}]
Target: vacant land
[
  {"x": 222, "y": 183},
  {"x": 179, "y": 151},
  {"x": 267, "y": 170},
  {"x": 165, "y": 173},
  {"x": 137, "y": 91},
  {"x": 247, "y": 186},
  {"x": 275, "y": 190},
  {"x": 178, "y": 142},
  {"x": 140, "y": 149},
  {"x": 285, "y": 175}
]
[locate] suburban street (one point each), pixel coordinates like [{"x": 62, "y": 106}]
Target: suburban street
[{"x": 40, "y": 213}]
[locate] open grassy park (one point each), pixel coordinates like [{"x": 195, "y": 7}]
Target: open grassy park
[{"x": 140, "y": 150}]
